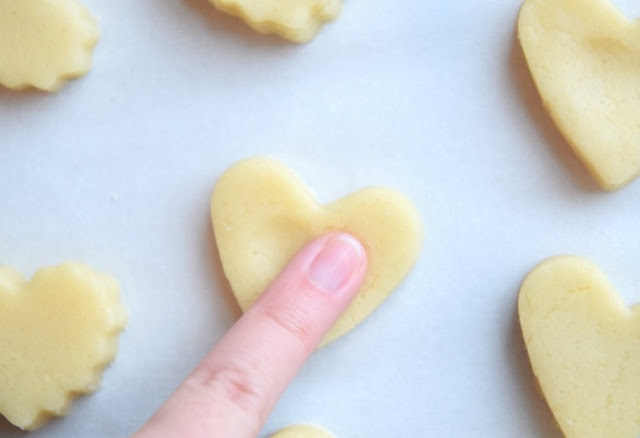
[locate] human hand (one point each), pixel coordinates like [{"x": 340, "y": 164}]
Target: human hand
[{"x": 233, "y": 390}]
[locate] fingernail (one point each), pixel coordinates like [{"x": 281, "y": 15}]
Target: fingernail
[{"x": 336, "y": 262}]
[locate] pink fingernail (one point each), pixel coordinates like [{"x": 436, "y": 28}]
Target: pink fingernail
[{"x": 336, "y": 262}]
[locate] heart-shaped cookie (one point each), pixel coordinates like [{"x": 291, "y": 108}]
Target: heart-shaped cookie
[
  {"x": 263, "y": 215},
  {"x": 295, "y": 20},
  {"x": 584, "y": 347},
  {"x": 584, "y": 56},
  {"x": 303, "y": 431},
  {"x": 43, "y": 43},
  {"x": 57, "y": 333}
]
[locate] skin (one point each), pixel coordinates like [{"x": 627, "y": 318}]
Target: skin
[{"x": 234, "y": 389}]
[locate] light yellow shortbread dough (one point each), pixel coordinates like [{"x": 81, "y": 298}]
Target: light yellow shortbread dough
[
  {"x": 584, "y": 56},
  {"x": 263, "y": 215},
  {"x": 295, "y": 20},
  {"x": 303, "y": 431},
  {"x": 57, "y": 333},
  {"x": 43, "y": 43},
  {"x": 584, "y": 346}
]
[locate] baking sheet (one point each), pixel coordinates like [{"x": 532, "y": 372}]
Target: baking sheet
[{"x": 430, "y": 98}]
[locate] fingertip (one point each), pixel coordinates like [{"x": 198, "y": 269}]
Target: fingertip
[{"x": 339, "y": 264}]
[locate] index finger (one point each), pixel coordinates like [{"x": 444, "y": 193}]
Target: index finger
[{"x": 233, "y": 390}]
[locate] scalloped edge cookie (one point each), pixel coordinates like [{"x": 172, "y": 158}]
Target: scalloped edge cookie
[{"x": 44, "y": 43}]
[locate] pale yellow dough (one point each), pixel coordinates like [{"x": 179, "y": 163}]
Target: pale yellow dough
[
  {"x": 584, "y": 56},
  {"x": 303, "y": 431},
  {"x": 43, "y": 43},
  {"x": 263, "y": 214},
  {"x": 295, "y": 20},
  {"x": 57, "y": 333},
  {"x": 584, "y": 346}
]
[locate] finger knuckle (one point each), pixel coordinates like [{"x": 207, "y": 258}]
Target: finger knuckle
[
  {"x": 294, "y": 322},
  {"x": 238, "y": 386}
]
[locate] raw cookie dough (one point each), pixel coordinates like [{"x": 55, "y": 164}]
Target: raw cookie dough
[
  {"x": 43, "y": 43},
  {"x": 303, "y": 431},
  {"x": 57, "y": 333},
  {"x": 295, "y": 20},
  {"x": 584, "y": 346},
  {"x": 263, "y": 215},
  {"x": 584, "y": 56}
]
